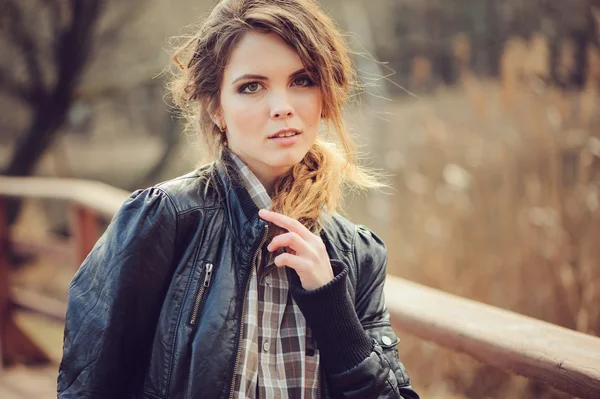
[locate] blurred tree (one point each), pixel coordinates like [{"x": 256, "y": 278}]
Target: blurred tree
[
  {"x": 47, "y": 45},
  {"x": 426, "y": 29},
  {"x": 52, "y": 59},
  {"x": 571, "y": 27}
]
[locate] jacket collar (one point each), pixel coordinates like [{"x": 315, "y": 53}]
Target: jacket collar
[
  {"x": 241, "y": 208},
  {"x": 239, "y": 205}
]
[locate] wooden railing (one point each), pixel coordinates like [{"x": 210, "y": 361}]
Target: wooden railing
[
  {"x": 89, "y": 202},
  {"x": 556, "y": 356},
  {"x": 565, "y": 359}
]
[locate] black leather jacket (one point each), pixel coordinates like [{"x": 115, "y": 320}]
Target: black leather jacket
[{"x": 154, "y": 311}]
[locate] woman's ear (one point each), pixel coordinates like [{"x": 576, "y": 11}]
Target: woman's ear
[{"x": 217, "y": 118}]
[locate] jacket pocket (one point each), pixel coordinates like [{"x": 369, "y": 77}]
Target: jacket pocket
[
  {"x": 387, "y": 339},
  {"x": 203, "y": 286}
]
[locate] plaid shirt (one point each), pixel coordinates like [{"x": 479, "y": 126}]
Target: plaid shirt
[{"x": 279, "y": 357}]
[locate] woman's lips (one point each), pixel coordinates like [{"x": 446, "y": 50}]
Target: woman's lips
[{"x": 285, "y": 141}]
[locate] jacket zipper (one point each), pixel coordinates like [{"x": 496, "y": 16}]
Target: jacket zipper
[
  {"x": 321, "y": 382},
  {"x": 319, "y": 390},
  {"x": 203, "y": 287},
  {"x": 241, "y": 336}
]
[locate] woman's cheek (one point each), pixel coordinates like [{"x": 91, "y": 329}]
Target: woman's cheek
[
  {"x": 310, "y": 107},
  {"x": 247, "y": 113}
]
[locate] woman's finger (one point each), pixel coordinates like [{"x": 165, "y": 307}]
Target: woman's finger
[
  {"x": 295, "y": 262},
  {"x": 291, "y": 240},
  {"x": 286, "y": 222}
]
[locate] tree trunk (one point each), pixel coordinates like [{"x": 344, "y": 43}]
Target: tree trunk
[{"x": 74, "y": 46}]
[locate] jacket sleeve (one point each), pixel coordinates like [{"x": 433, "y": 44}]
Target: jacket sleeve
[
  {"x": 371, "y": 257},
  {"x": 350, "y": 335},
  {"x": 115, "y": 299}
]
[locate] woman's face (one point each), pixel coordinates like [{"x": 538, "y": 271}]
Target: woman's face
[{"x": 265, "y": 95}]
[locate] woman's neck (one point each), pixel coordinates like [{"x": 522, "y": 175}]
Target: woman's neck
[
  {"x": 265, "y": 178},
  {"x": 265, "y": 174}
]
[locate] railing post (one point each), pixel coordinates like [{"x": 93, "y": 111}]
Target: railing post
[
  {"x": 4, "y": 285},
  {"x": 15, "y": 344},
  {"x": 84, "y": 228}
]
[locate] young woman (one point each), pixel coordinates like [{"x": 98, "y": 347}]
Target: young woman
[{"x": 240, "y": 280}]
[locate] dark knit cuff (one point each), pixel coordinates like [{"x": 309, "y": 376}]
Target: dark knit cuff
[{"x": 341, "y": 340}]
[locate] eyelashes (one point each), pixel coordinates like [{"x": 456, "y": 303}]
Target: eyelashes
[
  {"x": 309, "y": 81},
  {"x": 254, "y": 87},
  {"x": 245, "y": 88}
]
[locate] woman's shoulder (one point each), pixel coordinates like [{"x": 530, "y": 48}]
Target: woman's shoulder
[
  {"x": 348, "y": 236},
  {"x": 192, "y": 190}
]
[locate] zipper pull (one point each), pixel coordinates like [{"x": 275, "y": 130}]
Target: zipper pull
[{"x": 209, "y": 267}]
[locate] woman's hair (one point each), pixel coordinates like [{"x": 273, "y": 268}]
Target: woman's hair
[{"x": 318, "y": 181}]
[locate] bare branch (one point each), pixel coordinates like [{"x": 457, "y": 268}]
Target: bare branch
[
  {"x": 74, "y": 44},
  {"x": 19, "y": 34},
  {"x": 15, "y": 89},
  {"x": 56, "y": 9},
  {"x": 130, "y": 12},
  {"x": 73, "y": 48}
]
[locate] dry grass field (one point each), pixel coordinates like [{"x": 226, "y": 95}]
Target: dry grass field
[{"x": 498, "y": 194}]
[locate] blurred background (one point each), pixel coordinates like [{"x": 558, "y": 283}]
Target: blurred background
[{"x": 484, "y": 115}]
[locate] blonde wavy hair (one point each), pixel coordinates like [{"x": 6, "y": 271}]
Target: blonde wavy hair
[{"x": 329, "y": 168}]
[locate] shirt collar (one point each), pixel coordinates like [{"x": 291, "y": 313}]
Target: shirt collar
[{"x": 255, "y": 188}]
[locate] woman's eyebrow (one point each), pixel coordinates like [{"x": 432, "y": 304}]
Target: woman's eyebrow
[
  {"x": 247, "y": 76},
  {"x": 298, "y": 72}
]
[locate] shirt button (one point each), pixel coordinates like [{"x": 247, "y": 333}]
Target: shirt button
[
  {"x": 386, "y": 340},
  {"x": 266, "y": 346},
  {"x": 268, "y": 280}
]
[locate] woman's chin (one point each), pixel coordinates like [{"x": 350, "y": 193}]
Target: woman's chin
[{"x": 284, "y": 159}]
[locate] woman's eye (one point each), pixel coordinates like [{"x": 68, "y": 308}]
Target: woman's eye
[
  {"x": 304, "y": 81},
  {"x": 250, "y": 87}
]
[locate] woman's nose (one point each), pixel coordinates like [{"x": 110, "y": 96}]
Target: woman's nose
[
  {"x": 281, "y": 108},
  {"x": 281, "y": 113}
]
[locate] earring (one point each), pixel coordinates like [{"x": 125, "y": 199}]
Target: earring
[{"x": 223, "y": 129}]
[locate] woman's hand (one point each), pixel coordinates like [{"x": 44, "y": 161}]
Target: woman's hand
[{"x": 309, "y": 257}]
